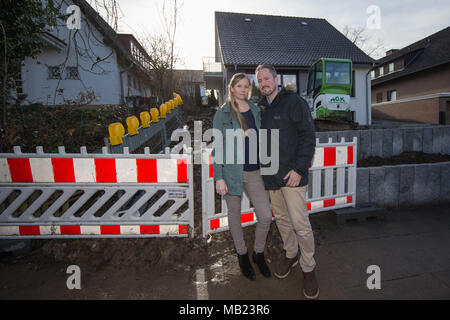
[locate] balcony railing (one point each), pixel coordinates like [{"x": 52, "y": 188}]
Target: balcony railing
[{"x": 211, "y": 67}]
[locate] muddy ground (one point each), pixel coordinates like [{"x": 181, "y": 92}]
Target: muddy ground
[{"x": 47, "y": 260}]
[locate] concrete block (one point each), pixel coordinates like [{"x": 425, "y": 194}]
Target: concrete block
[
  {"x": 437, "y": 137},
  {"x": 445, "y": 146},
  {"x": 322, "y": 136},
  {"x": 376, "y": 185},
  {"x": 377, "y": 143},
  {"x": 427, "y": 140},
  {"x": 365, "y": 145},
  {"x": 362, "y": 185},
  {"x": 445, "y": 182},
  {"x": 397, "y": 141},
  {"x": 387, "y": 143},
  {"x": 405, "y": 196},
  {"x": 361, "y": 212},
  {"x": 434, "y": 182},
  {"x": 408, "y": 139},
  {"x": 418, "y": 140},
  {"x": 392, "y": 185},
  {"x": 420, "y": 192},
  {"x": 332, "y": 135}
]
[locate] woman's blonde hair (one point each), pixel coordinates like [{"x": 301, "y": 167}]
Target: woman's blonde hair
[{"x": 231, "y": 99}]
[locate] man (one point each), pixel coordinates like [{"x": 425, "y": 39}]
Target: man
[{"x": 289, "y": 113}]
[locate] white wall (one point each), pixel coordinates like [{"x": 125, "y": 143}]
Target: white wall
[
  {"x": 102, "y": 78},
  {"x": 359, "y": 102}
]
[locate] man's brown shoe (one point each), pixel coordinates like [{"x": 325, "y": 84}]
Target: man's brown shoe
[
  {"x": 310, "y": 285},
  {"x": 284, "y": 266}
]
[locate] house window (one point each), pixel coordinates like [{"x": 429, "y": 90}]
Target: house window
[
  {"x": 391, "y": 67},
  {"x": 54, "y": 73},
  {"x": 392, "y": 95},
  {"x": 289, "y": 80},
  {"x": 381, "y": 71},
  {"x": 72, "y": 73},
  {"x": 379, "y": 97},
  {"x": 372, "y": 74}
]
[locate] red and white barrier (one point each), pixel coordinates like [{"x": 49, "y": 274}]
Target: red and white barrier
[
  {"x": 91, "y": 230},
  {"x": 330, "y": 160},
  {"x": 95, "y": 195}
]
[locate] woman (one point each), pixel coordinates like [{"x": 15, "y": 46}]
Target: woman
[{"x": 232, "y": 179}]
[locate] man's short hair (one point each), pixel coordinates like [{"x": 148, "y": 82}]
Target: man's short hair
[{"x": 268, "y": 67}]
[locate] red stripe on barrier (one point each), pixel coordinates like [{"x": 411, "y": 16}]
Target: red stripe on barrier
[
  {"x": 29, "y": 231},
  {"x": 349, "y": 199},
  {"x": 109, "y": 230},
  {"x": 147, "y": 170},
  {"x": 63, "y": 170},
  {"x": 329, "y": 203},
  {"x": 182, "y": 170},
  {"x": 215, "y": 224},
  {"x": 211, "y": 170},
  {"x": 70, "y": 230},
  {"x": 20, "y": 170},
  {"x": 105, "y": 170},
  {"x": 247, "y": 217},
  {"x": 183, "y": 229},
  {"x": 350, "y": 155},
  {"x": 150, "y": 230},
  {"x": 329, "y": 157},
  {"x": 308, "y": 205}
]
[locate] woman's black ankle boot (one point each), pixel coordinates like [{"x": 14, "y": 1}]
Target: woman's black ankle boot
[
  {"x": 246, "y": 267},
  {"x": 260, "y": 261}
]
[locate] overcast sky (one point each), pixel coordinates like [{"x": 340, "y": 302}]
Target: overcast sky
[{"x": 401, "y": 22}]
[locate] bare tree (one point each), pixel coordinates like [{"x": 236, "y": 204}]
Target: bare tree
[
  {"x": 360, "y": 37},
  {"x": 162, "y": 50}
]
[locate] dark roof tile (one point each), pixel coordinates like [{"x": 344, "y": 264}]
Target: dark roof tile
[{"x": 282, "y": 41}]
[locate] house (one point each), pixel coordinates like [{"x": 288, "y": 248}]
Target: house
[
  {"x": 188, "y": 82},
  {"x": 90, "y": 65},
  {"x": 413, "y": 83},
  {"x": 292, "y": 45}
]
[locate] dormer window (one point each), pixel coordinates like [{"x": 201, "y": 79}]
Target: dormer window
[
  {"x": 248, "y": 19},
  {"x": 391, "y": 67}
]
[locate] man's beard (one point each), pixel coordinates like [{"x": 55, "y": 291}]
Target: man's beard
[{"x": 268, "y": 93}]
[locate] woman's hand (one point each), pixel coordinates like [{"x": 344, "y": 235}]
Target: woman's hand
[{"x": 221, "y": 187}]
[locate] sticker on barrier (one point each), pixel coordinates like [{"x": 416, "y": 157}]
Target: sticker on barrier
[
  {"x": 332, "y": 185},
  {"x": 95, "y": 195}
]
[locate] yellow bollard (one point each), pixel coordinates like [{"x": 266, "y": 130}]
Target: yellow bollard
[
  {"x": 163, "y": 111},
  {"x": 169, "y": 110},
  {"x": 145, "y": 119},
  {"x": 155, "y": 115},
  {"x": 116, "y": 132},
  {"x": 133, "y": 125}
]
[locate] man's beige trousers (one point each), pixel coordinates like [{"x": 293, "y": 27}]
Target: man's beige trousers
[{"x": 289, "y": 207}]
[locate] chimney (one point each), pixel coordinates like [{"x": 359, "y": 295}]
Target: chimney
[{"x": 389, "y": 52}]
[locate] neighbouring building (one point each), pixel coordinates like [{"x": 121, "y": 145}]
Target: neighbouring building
[
  {"x": 413, "y": 83},
  {"x": 292, "y": 45},
  {"x": 91, "y": 65}
]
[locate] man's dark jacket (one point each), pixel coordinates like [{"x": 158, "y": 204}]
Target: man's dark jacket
[{"x": 289, "y": 113}]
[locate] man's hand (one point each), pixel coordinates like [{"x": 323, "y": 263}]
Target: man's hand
[
  {"x": 294, "y": 179},
  {"x": 221, "y": 187}
]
